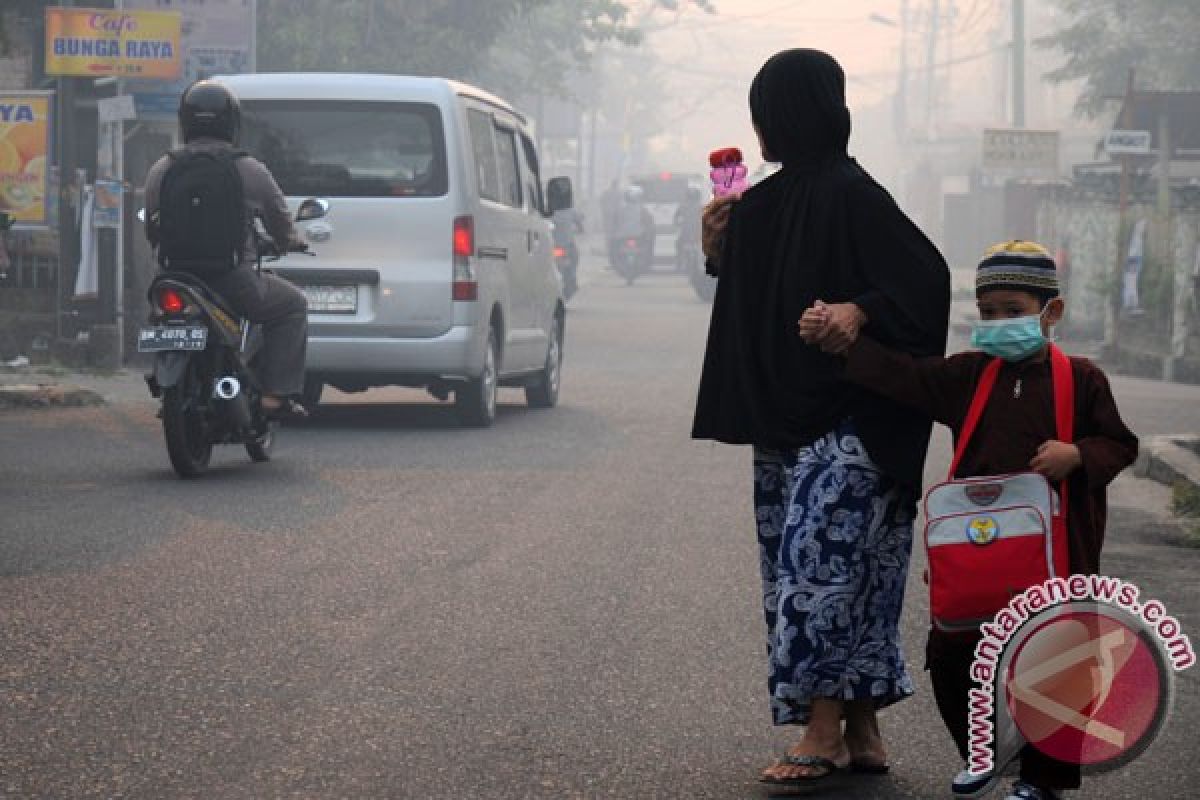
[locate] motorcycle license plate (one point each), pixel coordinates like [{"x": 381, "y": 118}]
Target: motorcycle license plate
[
  {"x": 332, "y": 299},
  {"x": 172, "y": 337}
]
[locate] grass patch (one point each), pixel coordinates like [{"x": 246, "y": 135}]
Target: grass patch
[
  {"x": 1185, "y": 499},
  {"x": 1185, "y": 502}
]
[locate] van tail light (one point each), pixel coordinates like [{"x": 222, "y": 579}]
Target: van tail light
[
  {"x": 466, "y": 286},
  {"x": 170, "y": 301}
]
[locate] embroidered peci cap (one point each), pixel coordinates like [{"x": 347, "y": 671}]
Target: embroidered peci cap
[{"x": 1018, "y": 264}]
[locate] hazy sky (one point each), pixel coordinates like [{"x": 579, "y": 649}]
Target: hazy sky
[{"x": 708, "y": 62}]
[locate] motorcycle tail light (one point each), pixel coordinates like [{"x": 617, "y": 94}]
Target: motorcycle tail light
[
  {"x": 631, "y": 242},
  {"x": 171, "y": 301},
  {"x": 560, "y": 252}
]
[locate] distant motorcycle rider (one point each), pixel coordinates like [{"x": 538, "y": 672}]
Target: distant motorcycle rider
[
  {"x": 633, "y": 221},
  {"x": 209, "y": 121}
]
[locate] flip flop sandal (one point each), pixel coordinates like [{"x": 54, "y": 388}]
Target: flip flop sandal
[{"x": 813, "y": 762}]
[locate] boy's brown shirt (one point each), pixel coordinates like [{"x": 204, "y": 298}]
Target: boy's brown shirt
[{"x": 1018, "y": 418}]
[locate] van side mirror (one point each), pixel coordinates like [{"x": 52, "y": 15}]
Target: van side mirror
[
  {"x": 312, "y": 208},
  {"x": 559, "y": 196}
]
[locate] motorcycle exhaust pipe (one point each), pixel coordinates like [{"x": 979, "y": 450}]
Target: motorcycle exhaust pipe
[{"x": 229, "y": 389}]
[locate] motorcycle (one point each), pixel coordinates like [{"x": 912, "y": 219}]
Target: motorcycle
[
  {"x": 629, "y": 259},
  {"x": 565, "y": 225},
  {"x": 566, "y": 258},
  {"x": 204, "y": 372},
  {"x": 691, "y": 262}
]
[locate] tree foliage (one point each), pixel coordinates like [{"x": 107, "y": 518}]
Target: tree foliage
[
  {"x": 1103, "y": 39},
  {"x": 415, "y": 37}
]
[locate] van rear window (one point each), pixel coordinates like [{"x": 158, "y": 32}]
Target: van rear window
[{"x": 348, "y": 149}]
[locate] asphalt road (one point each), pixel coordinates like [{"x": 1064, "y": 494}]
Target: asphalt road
[{"x": 565, "y": 605}]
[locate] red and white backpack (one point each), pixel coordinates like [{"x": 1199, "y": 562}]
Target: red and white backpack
[{"x": 990, "y": 538}]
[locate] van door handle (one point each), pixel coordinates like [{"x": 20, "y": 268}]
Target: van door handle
[{"x": 498, "y": 253}]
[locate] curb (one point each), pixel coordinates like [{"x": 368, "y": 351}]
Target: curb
[
  {"x": 46, "y": 395},
  {"x": 1169, "y": 459}
]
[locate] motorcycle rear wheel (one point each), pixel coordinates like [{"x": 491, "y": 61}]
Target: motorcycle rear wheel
[{"x": 188, "y": 445}]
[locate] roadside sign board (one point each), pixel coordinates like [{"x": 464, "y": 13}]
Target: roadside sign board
[
  {"x": 1023, "y": 150},
  {"x": 99, "y": 42},
  {"x": 24, "y": 146},
  {"x": 218, "y": 39},
  {"x": 1127, "y": 143},
  {"x": 116, "y": 109}
]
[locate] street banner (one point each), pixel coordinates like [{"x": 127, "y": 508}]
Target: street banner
[
  {"x": 1130, "y": 302},
  {"x": 106, "y": 205},
  {"x": 24, "y": 144},
  {"x": 95, "y": 42}
]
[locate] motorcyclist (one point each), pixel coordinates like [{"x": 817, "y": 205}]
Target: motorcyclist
[
  {"x": 687, "y": 222},
  {"x": 567, "y": 222},
  {"x": 209, "y": 118},
  {"x": 634, "y": 221}
]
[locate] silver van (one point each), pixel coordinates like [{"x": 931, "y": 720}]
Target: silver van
[{"x": 424, "y": 203}]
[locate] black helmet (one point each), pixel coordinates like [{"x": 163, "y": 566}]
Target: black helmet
[{"x": 208, "y": 109}]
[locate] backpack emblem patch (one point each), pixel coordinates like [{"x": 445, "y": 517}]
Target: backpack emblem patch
[
  {"x": 984, "y": 494},
  {"x": 982, "y": 530}
]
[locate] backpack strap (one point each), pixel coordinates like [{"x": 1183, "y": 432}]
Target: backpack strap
[{"x": 984, "y": 390}]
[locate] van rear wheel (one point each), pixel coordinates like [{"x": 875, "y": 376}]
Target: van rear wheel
[{"x": 475, "y": 400}]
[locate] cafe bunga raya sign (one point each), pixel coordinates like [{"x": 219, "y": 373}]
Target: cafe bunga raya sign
[{"x": 96, "y": 42}]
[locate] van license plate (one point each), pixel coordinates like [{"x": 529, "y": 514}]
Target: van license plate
[
  {"x": 173, "y": 337},
  {"x": 332, "y": 299}
]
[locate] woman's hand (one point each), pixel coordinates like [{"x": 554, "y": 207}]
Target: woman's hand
[
  {"x": 713, "y": 221},
  {"x": 1056, "y": 460}
]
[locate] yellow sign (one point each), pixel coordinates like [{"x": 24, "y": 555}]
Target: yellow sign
[
  {"x": 24, "y": 143},
  {"x": 126, "y": 44}
]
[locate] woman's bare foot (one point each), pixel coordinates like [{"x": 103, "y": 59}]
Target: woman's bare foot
[{"x": 863, "y": 738}]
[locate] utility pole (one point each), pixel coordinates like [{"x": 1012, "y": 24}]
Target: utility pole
[
  {"x": 931, "y": 67},
  {"x": 66, "y": 143},
  {"x": 1018, "y": 63},
  {"x": 1112, "y": 311}
]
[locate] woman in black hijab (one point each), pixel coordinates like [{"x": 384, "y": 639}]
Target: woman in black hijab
[{"x": 837, "y": 470}]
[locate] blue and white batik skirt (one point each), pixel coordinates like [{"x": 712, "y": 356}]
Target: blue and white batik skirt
[{"x": 834, "y": 536}]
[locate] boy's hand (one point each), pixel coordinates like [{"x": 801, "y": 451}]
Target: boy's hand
[
  {"x": 1056, "y": 460},
  {"x": 814, "y": 322},
  {"x": 838, "y": 327}
]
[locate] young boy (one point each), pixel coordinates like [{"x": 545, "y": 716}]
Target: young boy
[{"x": 1017, "y": 293}]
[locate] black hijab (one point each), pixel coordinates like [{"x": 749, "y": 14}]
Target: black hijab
[
  {"x": 798, "y": 105},
  {"x": 818, "y": 228}
]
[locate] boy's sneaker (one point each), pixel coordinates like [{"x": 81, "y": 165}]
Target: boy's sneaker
[
  {"x": 1027, "y": 791},
  {"x": 969, "y": 785}
]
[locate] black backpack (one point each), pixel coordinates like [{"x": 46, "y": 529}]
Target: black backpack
[{"x": 202, "y": 212}]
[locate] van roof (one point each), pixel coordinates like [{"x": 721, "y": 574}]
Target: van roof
[{"x": 355, "y": 86}]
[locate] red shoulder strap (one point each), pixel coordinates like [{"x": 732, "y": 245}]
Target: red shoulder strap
[{"x": 984, "y": 390}]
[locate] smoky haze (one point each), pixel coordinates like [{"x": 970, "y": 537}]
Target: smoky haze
[{"x": 924, "y": 79}]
